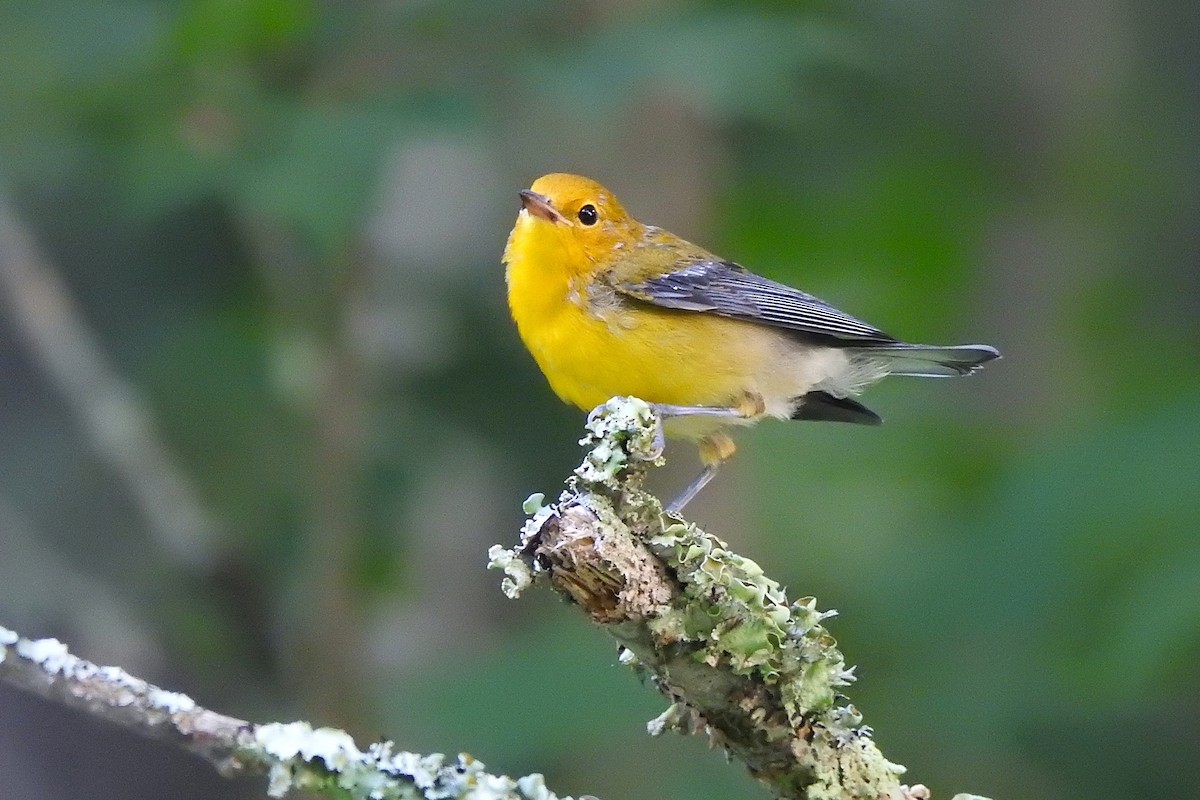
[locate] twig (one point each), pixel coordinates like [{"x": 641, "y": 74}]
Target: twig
[
  {"x": 293, "y": 755},
  {"x": 761, "y": 677}
]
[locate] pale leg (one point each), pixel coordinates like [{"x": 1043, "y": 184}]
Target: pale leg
[
  {"x": 715, "y": 449},
  {"x": 667, "y": 410},
  {"x": 692, "y": 489}
]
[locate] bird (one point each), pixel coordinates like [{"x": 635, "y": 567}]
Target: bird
[{"x": 609, "y": 306}]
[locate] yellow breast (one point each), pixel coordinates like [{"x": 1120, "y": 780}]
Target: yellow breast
[{"x": 591, "y": 346}]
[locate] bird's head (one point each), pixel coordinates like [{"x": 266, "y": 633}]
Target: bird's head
[{"x": 576, "y": 215}]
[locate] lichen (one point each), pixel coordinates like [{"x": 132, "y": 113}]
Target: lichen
[
  {"x": 517, "y": 572},
  {"x": 302, "y": 757},
  {"x": 171, "y": 702},
  {"x": 533, "y": 503},
  {"x": 697, "y": 599},
  {"x": 53, "y": 658},
  {"x": 723, "y": 610},
  {"x": 620, "y": 430},
  {"x": 677, "y": 717},
  {"x": 847, "y": 764},
  {"x": 50, "y": 654},
  {"x": 742, "y": 618}
]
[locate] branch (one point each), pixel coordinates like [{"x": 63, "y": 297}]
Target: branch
[
  {"x": 761, "y": 677},
  {"x": 293, "y": 755}
]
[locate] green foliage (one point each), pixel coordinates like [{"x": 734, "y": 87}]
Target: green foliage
[{"x": 701, "y": 59}]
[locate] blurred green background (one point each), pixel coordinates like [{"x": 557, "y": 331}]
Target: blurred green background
[{"x": 262, "y": 409}]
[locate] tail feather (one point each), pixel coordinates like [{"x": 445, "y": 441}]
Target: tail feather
[
  {"x": 930, "y": 361},
  {"x": 822, "y": 406}
]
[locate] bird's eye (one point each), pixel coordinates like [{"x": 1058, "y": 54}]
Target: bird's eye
[{"x": 588, "y": 215}]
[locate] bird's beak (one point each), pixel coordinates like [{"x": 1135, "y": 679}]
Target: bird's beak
[{"x": 540, "y": 206}]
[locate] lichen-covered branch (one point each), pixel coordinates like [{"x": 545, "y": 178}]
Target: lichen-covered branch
[
  {"x": 293, "y": 755},
  {"x": 760, "y": 675}
]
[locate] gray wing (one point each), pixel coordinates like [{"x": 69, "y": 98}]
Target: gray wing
[{"x": 727, "y": 289}]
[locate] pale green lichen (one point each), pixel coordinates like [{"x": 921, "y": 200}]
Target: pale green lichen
[
  {"x": 321, "y": 759},
  {"x": 743, "y": 618},
  {"x": 517, "y": 572},
  {"x": 727, "y": 613},
  {"x": 620, "y": 429},
  {"x": 621, "y": 433},
  {"x": 533, "y": 502},
  {"x": 514, "y": 562},
  {"x": 851, "y": 769},
  {"x": 738, "y": 615}
]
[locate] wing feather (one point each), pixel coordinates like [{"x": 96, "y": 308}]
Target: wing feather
[{"x": 730, "y": 290}]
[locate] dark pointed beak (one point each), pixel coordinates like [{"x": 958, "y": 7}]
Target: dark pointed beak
[{"x": 540, "y": 206}]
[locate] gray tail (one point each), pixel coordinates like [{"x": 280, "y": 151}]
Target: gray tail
[{"x": 928, "y": 360}]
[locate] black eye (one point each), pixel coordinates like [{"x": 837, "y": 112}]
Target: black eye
[{"x": 588, "y": 215}]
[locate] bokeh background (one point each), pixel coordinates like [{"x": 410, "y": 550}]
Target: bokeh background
[{"x": 262, "y": 410}]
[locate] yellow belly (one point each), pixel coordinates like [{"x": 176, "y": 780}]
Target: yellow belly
[{"x": 659, "y": 355}]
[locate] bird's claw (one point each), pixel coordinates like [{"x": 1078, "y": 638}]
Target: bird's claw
[
  {"x": 659, "y": 442},
  {"x": 650, "y": 451}
]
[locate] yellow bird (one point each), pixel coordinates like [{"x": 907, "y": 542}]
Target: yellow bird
[{"x": 609, "y": 306}]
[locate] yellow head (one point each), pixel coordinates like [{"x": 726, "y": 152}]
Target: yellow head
[{"x": 571, "y": 222}]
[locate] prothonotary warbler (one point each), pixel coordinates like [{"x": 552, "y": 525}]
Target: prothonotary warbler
[{"x": 609, "y": 306}]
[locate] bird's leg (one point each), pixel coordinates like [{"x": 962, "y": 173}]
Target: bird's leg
[
  {"x": 715, "y": 449},
  {"x": 750, "y": 405},
  {"x": 667, "y": 410}
]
